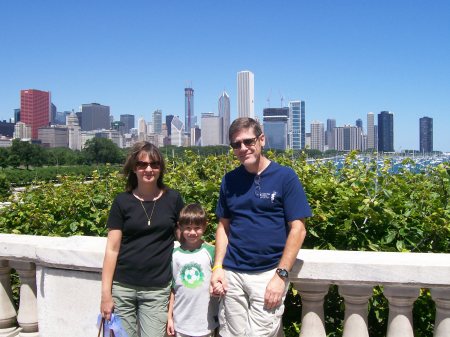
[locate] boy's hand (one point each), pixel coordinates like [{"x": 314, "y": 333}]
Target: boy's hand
[
  {"x": 218, "y": 286},
  {"x": 170, "y": 327}
]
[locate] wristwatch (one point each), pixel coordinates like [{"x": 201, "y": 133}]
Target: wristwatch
[{"x": 283, "y": 273}]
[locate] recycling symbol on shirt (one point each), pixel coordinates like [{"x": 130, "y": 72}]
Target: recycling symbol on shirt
[{"x": 192, "y": 275}]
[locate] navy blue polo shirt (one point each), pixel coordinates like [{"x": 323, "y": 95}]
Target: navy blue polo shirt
[{"x": 259, "y": 208}]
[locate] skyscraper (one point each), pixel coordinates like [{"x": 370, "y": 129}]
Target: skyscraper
[
  {"x": 359, "y": 123},
  {"x": 317, "y": 136},
  {"x": 348, "y": 137},
  {"x": 275, "y": 121},
  {"x": 128, "y": 122},
  {"x": 95, "y": 116},
  {"x": 212, "y": 128},
  {"x": 224, "y": 112},
  {"x": 35, "y": 109},
  {"x": 142, "y": 129},
  {"x": 169, "y": 125},
  {"x": 297, "y": 125},
  {"x": 329, "y": 134},
  {"x": 370, "y": 131},
  {"x": 246, "y": 94},
  {"x": 157, "y": 121},
  {"x": 385, "y": 131},
  {"x": 189, "y": 117},
  {"x": 177, "y": 137},
  {"x": 426, "y": 134}
]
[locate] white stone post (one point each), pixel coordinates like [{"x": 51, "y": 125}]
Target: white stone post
[
  {"x": 313, "y": 294},
  {"x": 356, "y": 299},
  {"x": 401, "y": 300},
  {"x": 27, "y": 316},
  {"x": 441, "y": 297},
  {"x": 7, "y": 311}
]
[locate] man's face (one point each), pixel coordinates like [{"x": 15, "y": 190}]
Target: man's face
[{"x": 247, "y": 147}]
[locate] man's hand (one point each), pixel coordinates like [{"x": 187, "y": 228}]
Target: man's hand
[
  {"x": 274, "y": 292},
  {"x": 218, "y": 285}
]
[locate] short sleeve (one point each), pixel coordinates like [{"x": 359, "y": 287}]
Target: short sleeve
[
  {"x": 222, "y": 210},
  {"x": 115, "y": 218}
]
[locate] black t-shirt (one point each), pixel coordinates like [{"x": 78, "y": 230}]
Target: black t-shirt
[{"x": 145, "y": 251}]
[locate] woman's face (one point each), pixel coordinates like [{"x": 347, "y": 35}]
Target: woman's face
[{"x": 147, "y": 169}]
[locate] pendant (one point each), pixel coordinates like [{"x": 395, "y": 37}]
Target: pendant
[{"x": 148, "y": 222}]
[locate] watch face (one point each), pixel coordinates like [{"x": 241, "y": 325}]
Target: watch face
[{"x": 282, "y": 273}]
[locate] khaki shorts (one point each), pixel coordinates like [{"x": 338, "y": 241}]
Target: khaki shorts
[{"x": 242, "y": 311}]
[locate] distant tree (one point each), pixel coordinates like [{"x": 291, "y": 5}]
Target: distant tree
[
  {"x": 4, "y": 154},
  {"x": 13, "y": 160},
  {"x": 102, "y": 150},
  {"x": 24, "y": 151}
]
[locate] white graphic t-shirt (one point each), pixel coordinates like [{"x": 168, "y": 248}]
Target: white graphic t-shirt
[{"x": 195, "y": 311}]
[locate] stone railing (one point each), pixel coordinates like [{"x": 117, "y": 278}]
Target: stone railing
[{"x": 60, "y": 287}]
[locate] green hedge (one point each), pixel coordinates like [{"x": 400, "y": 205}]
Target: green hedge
[{"x": 357, "y": 207}]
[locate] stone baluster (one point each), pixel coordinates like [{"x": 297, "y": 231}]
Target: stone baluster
[
  {"x": 313, "y": 294},
  {"x": 401, "y": 300},
  {"x": 27, "y": 316},
  {"x": 8, "y": 326},
  {"x": 356, "y": 299},
  {"x": 441, "y": 297}
]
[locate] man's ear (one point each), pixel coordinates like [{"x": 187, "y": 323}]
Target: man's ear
[{"x": 262, "y": 139}]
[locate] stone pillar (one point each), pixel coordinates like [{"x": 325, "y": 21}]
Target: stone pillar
[
  {"x": 441, "y": 297},
  {"x": 27, "y": 316},
  {"x": 313, "y": 294},
  {"x": 356, "y": 299},
  {"x": 401, "y": 300},
  {"x": 8, "y": 326}
]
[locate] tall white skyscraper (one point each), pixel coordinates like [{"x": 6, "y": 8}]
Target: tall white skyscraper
[
  {"x": 224, "y": 112},
  {"x": 142, "y": 129},
  {"x": 370, "y": 131},
  {"x": 317, "y": 136},
  {"x": 246, "y": 94}
]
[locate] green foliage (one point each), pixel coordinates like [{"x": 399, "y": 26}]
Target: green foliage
[
  {"x": 5, "y": 191},
  {"x": 357, "y": 207},
  {"x": 102, "y": 150},
  {"x": 26, "y": 154}
]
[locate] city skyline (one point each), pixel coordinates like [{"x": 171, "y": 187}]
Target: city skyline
[{"x": 343, "y": 59}]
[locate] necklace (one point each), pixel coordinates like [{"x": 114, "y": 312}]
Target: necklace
[{"x": 149, "y": 218}]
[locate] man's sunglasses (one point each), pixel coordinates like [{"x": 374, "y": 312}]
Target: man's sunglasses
[
  {"x": 142, "y": 165},
  {"x": 247, "y": 142}
]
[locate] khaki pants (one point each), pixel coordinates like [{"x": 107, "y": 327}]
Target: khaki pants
[
  {"x": 143, "y": 306},
  {"x": 242, "y": 311}
]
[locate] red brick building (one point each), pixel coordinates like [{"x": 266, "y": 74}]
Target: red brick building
[{"x": 35, "y": 109}]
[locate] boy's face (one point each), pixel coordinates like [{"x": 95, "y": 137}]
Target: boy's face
[{"x": 192, "y": 233}]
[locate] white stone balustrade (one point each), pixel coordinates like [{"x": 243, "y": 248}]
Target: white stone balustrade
[{"x": 65, "y": 298}]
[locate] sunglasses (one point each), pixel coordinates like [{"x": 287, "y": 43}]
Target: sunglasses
[
  {"x": 142, "y": 165},
  {"x": 247, "y": 142}
]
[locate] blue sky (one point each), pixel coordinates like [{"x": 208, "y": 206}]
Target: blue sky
[{"x": 344, "y": 58}]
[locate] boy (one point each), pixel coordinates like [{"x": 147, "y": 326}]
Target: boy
[{"x": 192, "y": 311}]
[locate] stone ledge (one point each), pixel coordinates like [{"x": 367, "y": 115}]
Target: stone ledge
[{"x": 357, "y": 267}]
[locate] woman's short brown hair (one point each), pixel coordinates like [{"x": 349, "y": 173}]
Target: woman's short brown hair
[{"x": 130, "y": 165}]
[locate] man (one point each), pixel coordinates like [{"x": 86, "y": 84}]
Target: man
[{"x": 261, "y": 209}]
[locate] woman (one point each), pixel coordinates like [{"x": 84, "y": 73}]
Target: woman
[{"x": 136, "y": 275}]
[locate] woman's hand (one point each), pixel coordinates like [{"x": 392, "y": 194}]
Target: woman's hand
[{"x": 107, "y": 306}]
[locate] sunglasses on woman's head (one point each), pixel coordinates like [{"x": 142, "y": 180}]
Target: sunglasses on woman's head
[{"x": 142, "y": 165}]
